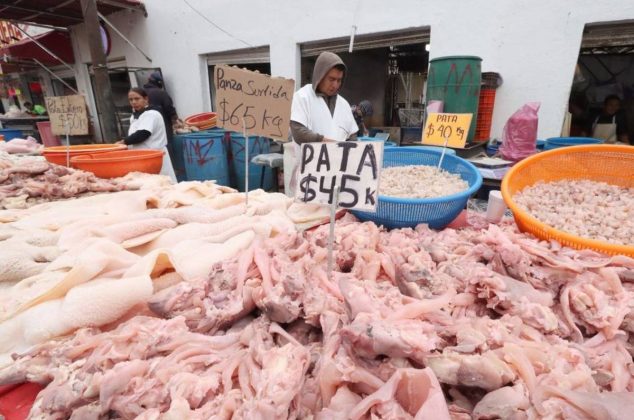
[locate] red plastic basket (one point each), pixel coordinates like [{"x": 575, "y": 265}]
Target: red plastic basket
[
  {"x": 203, "y": 121},
  {"x": 485, "y": 114}
]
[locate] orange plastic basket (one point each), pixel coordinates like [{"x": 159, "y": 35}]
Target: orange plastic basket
[
  {"x": 613, "y": 164},
  {"x": 120, "y": 163},
  {"x": 57, "y": 154}
]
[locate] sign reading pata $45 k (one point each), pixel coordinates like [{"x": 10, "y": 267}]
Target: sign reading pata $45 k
[
  {"x": 261, "y": 102},
  {"x": 67, "y": 114},
  {"x": 354, "y": 166}
]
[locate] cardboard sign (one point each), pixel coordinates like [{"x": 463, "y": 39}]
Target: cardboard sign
[
  {"x": 354, "y": 166},
  {"x": 454, "y": 126},
  {"x": 9, "y": 33},
  {"x": 261, "y": 101},
  {"x": 67, "y": 110}
]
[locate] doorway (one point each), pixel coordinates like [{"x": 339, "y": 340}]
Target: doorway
[
  {"x": 389, "y": 70},
  {"x": 604, "y": 76},
  {"x": 254, "y": 59}
]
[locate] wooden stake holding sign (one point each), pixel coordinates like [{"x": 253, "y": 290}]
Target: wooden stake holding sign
[
  {"x": 254, "y": 103},
  {"x": 331, "y": 233},
  {"x": 246, "y": 165},
  {"x": 340, "y": 174},
  {"x": 67, "y": 145},
  {"x": 444, "y": 150}
]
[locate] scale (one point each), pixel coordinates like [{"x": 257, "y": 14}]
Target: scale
[
  {"x": 491, "y": 168},
  {"x": 489, "y": 162}
]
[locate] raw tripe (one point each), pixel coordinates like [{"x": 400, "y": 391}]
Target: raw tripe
[
  {"x": 589, "y": 209},
  {"x": 418, "y": 181}
]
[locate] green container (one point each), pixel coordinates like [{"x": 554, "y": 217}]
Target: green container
[{"x": 456, "y": 81}]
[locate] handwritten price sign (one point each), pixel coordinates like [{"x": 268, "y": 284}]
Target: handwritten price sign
[
  {"x": 452, "y": 126},
  {"x": 354, "y": 166},
  {"x": 67, "y": 114},
  {"x": 261, "y": 102}
]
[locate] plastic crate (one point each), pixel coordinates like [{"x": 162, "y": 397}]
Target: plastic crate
[
  {"x": 485, "y": 114},
  {"x": 411, "y": 135}
]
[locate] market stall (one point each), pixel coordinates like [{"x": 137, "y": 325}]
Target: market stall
[
  {"x": 368, "y": 292},
  {"x": 472, "y": 314},
  {"x": 26, "y": 125}
]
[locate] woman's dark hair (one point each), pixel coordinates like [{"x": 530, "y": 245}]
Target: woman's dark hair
[
  {"x": 611, "y": 98},
  {"x": 140, "y": 91}
]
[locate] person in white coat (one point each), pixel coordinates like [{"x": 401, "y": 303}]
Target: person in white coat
[
  {"x": 318, "y": 112},
  {"x": 147, "y": 129},
  {"x": 610, "y": 124}
]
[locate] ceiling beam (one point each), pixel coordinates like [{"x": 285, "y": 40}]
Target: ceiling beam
[
  {"x": 40, "y": 13},
  {"x": 123, "y": 5},
  {"x": 62, "y": 4},
  {"x": 41, "y": 25}
]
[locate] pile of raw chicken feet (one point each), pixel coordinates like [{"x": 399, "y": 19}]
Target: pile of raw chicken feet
[{"x": 180, "y": 302}]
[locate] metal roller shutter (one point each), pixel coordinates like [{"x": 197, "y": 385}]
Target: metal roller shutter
[
  {"x": 614, "y": 38},
  {"x": 364, "y": 42},
  {"x": 244, "y": 56}
]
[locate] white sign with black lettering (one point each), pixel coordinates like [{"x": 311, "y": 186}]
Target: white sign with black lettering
[{"x": 354, "y": 166}]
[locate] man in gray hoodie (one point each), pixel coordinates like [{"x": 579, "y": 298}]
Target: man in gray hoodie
[{"x": 318, "y": 112}]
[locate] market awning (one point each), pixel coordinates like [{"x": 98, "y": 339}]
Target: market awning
[
  {"x": 59, "y": 13},
  {"x": 57, "y": 42}
]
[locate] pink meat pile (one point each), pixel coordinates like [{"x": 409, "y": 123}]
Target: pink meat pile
[
  {"x": 38, "y": 180},
  {"x": 462, "y": 324},
  {"x": 16, "y": 146}
]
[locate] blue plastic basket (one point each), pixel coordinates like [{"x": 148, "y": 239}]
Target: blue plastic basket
[
  {"x": 393, "y": 212},
  {"x": 387, "y": 143},
  {"x": 449, "y": 151},
  {"x": 10, "y": 133},
  {"x": 557, "y": 142}
]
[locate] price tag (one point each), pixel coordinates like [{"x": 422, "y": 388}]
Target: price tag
[
  {"x": 353, "y": 166},
  {"x": 261, "y": 101},
  {"x": 67, "y": 114},
  {"x": 455, "y": 127}
]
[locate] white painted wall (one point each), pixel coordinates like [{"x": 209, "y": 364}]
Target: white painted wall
[{"x": 533, "y": 43}]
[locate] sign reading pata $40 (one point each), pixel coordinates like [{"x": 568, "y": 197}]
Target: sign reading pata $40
[
  {"x": 255, "y": 101},
  {"x": 354, "y": 166},
  {"x": 453, "y": 127}
]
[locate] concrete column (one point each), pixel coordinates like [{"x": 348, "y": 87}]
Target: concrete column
[{"x": 103, "y": 91}]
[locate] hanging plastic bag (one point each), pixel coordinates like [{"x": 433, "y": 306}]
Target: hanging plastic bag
[{"x": 520, "y": 133}]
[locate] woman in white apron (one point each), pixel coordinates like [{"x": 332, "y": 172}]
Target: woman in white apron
[
  {"x": 147, "y": 129},
  {"x": 610, "y": 125},
  {"x": 319, "y": 113}
]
